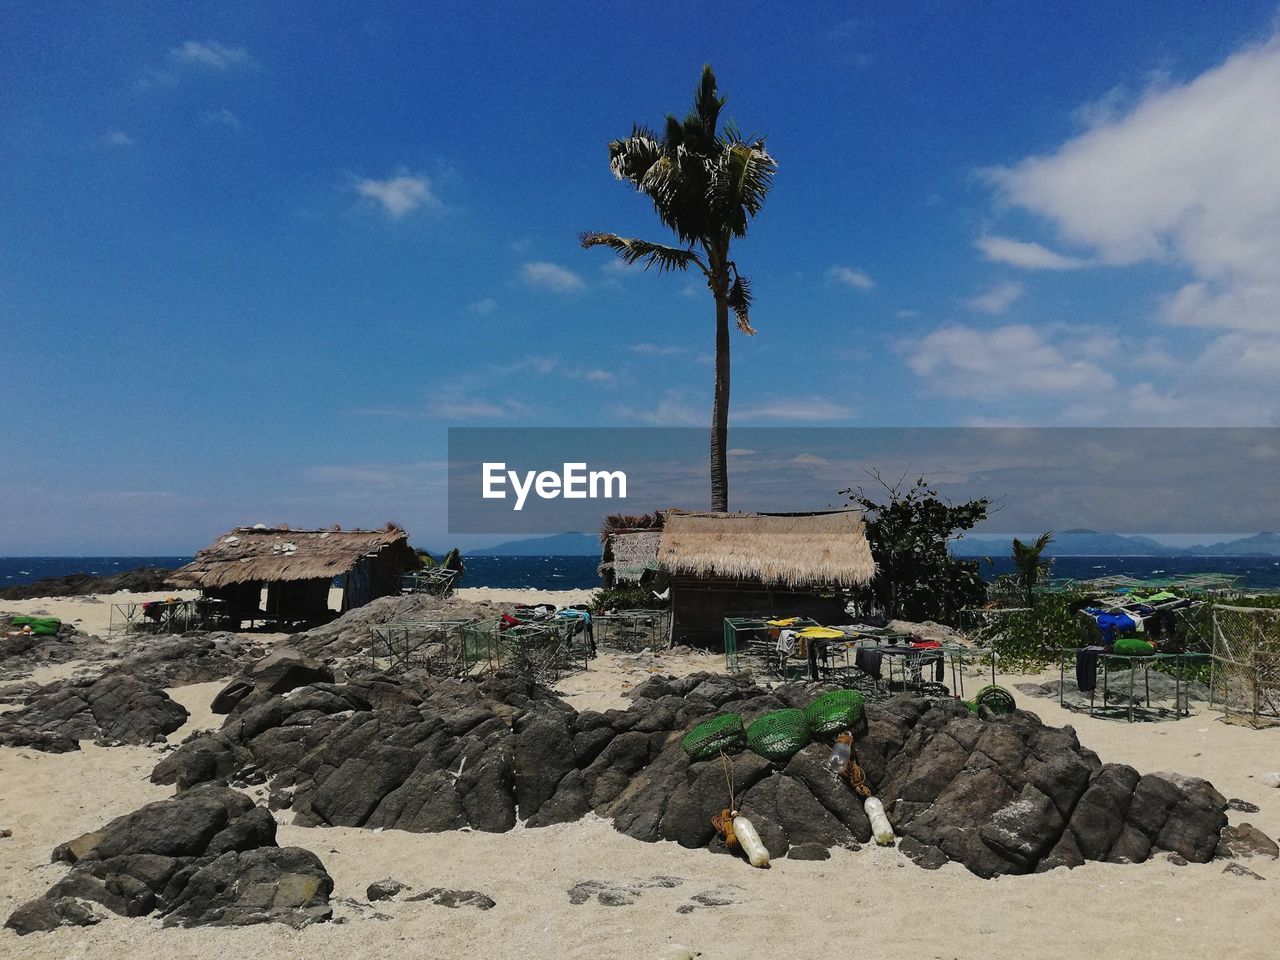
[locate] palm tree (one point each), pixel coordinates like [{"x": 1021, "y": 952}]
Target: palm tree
[
  {"x": 706, "y": 185},
  {"x": 1027, "y": 565}
]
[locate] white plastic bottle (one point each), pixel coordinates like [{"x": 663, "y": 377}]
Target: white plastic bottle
[
  {"x": 880, "y": 828},
  {"x": 840, "y": 753},
  {"x": 750, "y": 842}
]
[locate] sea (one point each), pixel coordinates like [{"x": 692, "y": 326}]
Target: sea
[{"x": 572, "y": 573}]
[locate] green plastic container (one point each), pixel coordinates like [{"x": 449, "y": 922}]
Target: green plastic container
[
  {"x": 997, "y": 700},
  {"x": 779, "y": 735},
  {"x": 719, "y": 734},
  {"x": 835, "y": 711},
  {"x": 1132, "y": 647}
]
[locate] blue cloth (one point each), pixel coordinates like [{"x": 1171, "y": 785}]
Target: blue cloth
[{"x": 1112, "y": 623}]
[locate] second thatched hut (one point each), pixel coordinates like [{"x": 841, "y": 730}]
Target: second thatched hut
[{"x": 754, "y": 564}]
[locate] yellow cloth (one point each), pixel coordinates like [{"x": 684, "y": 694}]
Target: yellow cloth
[
  {"x": 783, "y": 623},
  {"x": 820, "y": 633}
]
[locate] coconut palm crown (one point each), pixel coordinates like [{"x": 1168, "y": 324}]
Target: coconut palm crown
[{"x": 706, "y": 182}]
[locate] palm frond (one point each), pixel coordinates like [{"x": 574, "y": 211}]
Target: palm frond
[
  {"x": 707, "y": 103},
  {"x": 632, "y": 157},
  {"x": 740, "y": 303},
  {"x": 740, "y": 181},
  {"x": 653, "y": 254}
]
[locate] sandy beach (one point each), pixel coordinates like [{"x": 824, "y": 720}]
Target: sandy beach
[{"x": 875, "y": 897}]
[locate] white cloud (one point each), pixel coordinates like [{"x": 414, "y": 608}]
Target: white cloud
[
  {"x": 1015, "y": 359},
  {"x": 671, "y": 410},
  {"x": 209, "y": 53},
  {"x": 1025, "y": 254},
  {"x": 115, "y": 138},
  {"x": 484, "y": 307},
  {"x": 657, "y": 349},
  {"x": 221, "y": 118},
  {"x": 1189, "y": 175},
  {"x": 400, "y": 194},
  {"x": 998, "y": 299},
  {"x": 550, "y": 276},
  {"x": 851, "y": 278},
  {"x": 792, "y": 408},
  {"x": 907, "y": 314}
]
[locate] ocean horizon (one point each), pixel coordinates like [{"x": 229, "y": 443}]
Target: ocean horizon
[{"x": 580, "y": 572}]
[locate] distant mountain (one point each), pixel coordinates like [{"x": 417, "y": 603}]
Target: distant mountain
[
  {"x": 1259, "y": 545},
  {"x": 558, "y": 545},
  {"x": 1093, "y": 543}
]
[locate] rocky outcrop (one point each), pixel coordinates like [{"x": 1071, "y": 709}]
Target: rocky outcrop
[
  {"x": 196, "y": 657},
  {"x": 208, "y": 857},
  {"x": 348, "y": 635},
  {"x": 21, "y": 653},
  {"x": 111, "y": 709},
  {"x": 280, "y": 671},
  {"x": 1004, "y": 795},
  {"x": 139, "y": 580}
]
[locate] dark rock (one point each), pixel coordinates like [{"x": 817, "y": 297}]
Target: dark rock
[
  {"x": 1246, "y": 840},
  {"x": 43, "y": 915},
  {"x": 1244, "y": 806},
  {"x": 197, "y": 657},
  {"x": 229, "y": 696},
  {"x": 207, "y": 856},
  {"x": 114, "y": 708},
  {"x": 271, "y": 884},
  {"x": 286, "y": 669},
  {"x": 413, "y": 752},
  {"x": 139, "y": 580},
  {"x": 457, "y": 898},
  {"x": 931, "y": 858},
  {"x": 1239, "y": 871},
  {"x": 383, "y": 890}
]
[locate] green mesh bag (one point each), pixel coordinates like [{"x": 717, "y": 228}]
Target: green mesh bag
[
  {"x": 996, "y": 699},
  {"x": 834, "y": 711},
  {"x": 1131, "y": 647},
  {"x": 778, "y": 735},
  {"x": 706, "y": 740}
]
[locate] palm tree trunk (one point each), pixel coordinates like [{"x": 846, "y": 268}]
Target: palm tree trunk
[{"x": 720, "y": 407}]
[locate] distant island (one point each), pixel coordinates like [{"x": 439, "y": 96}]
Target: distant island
[
  {"x": 557, "y": 545},
  {"x": 1094, "y": 543},
  {"x": 1066, "y": 543}
]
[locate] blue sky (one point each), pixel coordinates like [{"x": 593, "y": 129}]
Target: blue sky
[{"x": 254, "y": 260}]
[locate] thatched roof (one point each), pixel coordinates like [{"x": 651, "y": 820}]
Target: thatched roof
[
  {"x": 629, "y": 555},
  {"x": 815, "y": 549},
  {"x": 270, "y": 554}
]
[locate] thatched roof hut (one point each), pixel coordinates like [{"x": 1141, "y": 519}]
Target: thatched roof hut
[
  {"x": 742, "y": 564},
  {"x": 297, "y": 567},
  {"x": 791, "y": 550}
]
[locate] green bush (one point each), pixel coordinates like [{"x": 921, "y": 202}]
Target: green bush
[
  {"x": 625, "y": 598},
  {"x": 1026, "y": 639}
]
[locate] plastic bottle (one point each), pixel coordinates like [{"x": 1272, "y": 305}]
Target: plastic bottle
[
  {"x": 750, "y": 842},
  {"x": 840, "y": 753},
  {"x": 880, "y": 828}
]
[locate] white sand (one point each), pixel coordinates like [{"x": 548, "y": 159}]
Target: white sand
[
  {"x": 92, "y": 614},
  {"x": 873, "y": 903}
]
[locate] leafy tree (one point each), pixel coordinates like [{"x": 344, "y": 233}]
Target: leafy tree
[
  {"x": 706, "y": 183},
  {"x": 1028, "y": 566},
  {"x": 917, "y": 578}
]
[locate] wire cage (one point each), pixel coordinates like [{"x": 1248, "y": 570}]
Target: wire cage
[
  {"x": 436, "y": 581},
  {"x": 440, "y": 647},
  {"x": 633, "y": 630},
  {"x": 165, "y": 616},
  {"x": 1245, "y": 681}
]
